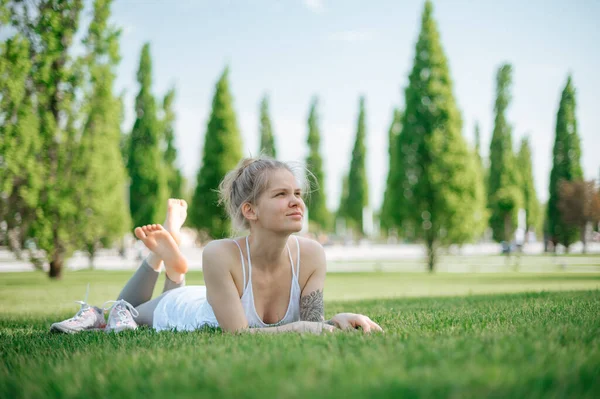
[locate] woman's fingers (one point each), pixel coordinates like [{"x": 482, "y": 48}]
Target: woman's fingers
[
  {"x": 344, "y": 324},
  {"x": 363, "y": 323},
  {"x": 353, "y": 321},
  {"x": 367, "y": 325},
  {"x": 375, "y": 326}
]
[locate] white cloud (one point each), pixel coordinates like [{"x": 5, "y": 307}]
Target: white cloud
[
  {"x": 352, "y": 36},
  {"x": 316, "y": 6}
]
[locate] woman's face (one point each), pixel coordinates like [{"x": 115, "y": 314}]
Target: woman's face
[{"x": 280, "y": 207}]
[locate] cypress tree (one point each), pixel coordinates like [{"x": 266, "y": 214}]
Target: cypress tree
[
  {"x": 145, "y": 161},
  {"x": 175, "y": 180},
  {"x": 478, "y": 146},
  {"x": 504, "y": 194},
  {"x": 343, "y": 196},
  {"x": 267, "y": 140},
  {"x": 436, "y": 166},
  {"x": 222, "y": 152},
  {"x": 530, "y": 199},
  {"x": 317, "y": 203},
  {"x": 482, "y": 216},
  {"x": 392, "y": 192},
  {"x": 566, "y": 165},
  {"x": 358, "y": 190}
]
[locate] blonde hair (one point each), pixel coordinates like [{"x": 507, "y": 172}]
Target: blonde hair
[{"x": 249, "y": 180}]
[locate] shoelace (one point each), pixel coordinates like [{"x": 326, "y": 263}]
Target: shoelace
[
  {"x": 84, "y": 308},
  {"x": 121, "y": 312},
  {"x": 84, "y": 305}
]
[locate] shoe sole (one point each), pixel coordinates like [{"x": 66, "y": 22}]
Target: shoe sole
[{"x": 66, "y": 330}]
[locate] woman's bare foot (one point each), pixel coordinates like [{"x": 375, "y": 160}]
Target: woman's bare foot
[
  {"x": 160, "y": 242},
  {"x": 176, "y": 214}
]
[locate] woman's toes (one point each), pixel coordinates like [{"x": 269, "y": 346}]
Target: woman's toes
[{"x": 139, "y": 233}]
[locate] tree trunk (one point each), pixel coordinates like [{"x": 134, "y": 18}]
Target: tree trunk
[
  {"x": 91, "y": 257},
  {"x": 56, "y": 265},
  {"x": 431, "y": 255},
  {"x": 91, "y": 251}
]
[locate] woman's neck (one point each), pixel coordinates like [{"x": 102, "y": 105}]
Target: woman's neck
[{"x": 267, "y": 249}]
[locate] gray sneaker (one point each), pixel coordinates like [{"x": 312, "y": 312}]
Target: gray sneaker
[
  {"x": 121, "y": 316},
  {"x": 87, "y": 318}
]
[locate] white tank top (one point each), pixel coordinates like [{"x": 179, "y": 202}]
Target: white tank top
[
  {"x": 293, "y": 310},
  {"x": 186, "y": 308}
]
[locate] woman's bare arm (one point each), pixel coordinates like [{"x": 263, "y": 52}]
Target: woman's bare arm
[
  {"x": 221, "y": 291},
  {"x": 312, "y": 307}
]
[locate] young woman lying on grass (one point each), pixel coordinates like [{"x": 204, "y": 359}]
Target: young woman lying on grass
[{"x": 269, "y": 281}]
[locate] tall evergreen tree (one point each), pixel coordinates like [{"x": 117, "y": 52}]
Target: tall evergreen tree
[
  {"x": 504, "y": 194},
  {"x": 317, "y": 202},
  {"x": 102, "y": 192},
  {"x": 401, "y": 179},
  {"x": 478, "y": 145},
  {"x": 222, "y": 152},
  {"x": 392, "y": 192},
  {"x": 358, "y": 189},
  {"x": 20, "y": 171},
  {"x": 145, "y": 162},
  {"x": 339, "y": 214},
  {"x": 175, "y": 180},
  {"x": 437, "y": 167},
  {"x": 267, "y": 139},
  {"x": 530, "y": 200},
  {"x": 566, "y": 165},
  {"x": 482, "y": 216}
]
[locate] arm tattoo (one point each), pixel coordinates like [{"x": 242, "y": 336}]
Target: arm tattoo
[{"x": 311, "y": 307}]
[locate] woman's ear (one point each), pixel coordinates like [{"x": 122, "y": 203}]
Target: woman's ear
[{"x": 249, "y": 211}]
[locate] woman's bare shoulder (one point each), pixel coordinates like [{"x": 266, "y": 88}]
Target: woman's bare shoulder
[
  {"x": 220, "y": 251},
  {"x": 309, "y": 245},
  {"x": 311, "y": 251}
]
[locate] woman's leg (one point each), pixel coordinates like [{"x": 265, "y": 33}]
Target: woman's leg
[
  {"x": 146, "y": 310},
  {"x": 140, "y": 286}
]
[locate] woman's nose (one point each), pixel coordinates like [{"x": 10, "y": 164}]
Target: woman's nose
[{"x": 296, "y": 202}]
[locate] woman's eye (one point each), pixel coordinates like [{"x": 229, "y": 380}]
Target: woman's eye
[{"x": 280, "y": 194}]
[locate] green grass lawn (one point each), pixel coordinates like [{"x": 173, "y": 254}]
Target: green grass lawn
[{"x": 446, "y": 335}]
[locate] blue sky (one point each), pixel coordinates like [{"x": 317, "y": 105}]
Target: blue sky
[{"x": 339, "y": 50}]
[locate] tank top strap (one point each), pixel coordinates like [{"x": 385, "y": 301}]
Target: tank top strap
[
  {"x": 291, "y": 260},
  {"x": 243, "y": 263},
  {"x": 298, "y": 258},
  {"x": 249, "y": 262}
]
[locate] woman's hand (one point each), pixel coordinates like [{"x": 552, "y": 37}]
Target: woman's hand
[{"x": 350, "y": 321}]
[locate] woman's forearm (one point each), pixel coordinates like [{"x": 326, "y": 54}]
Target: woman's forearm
[
  {"x": 266, "y": 330},
  {"x": 313, "y": 327}
]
